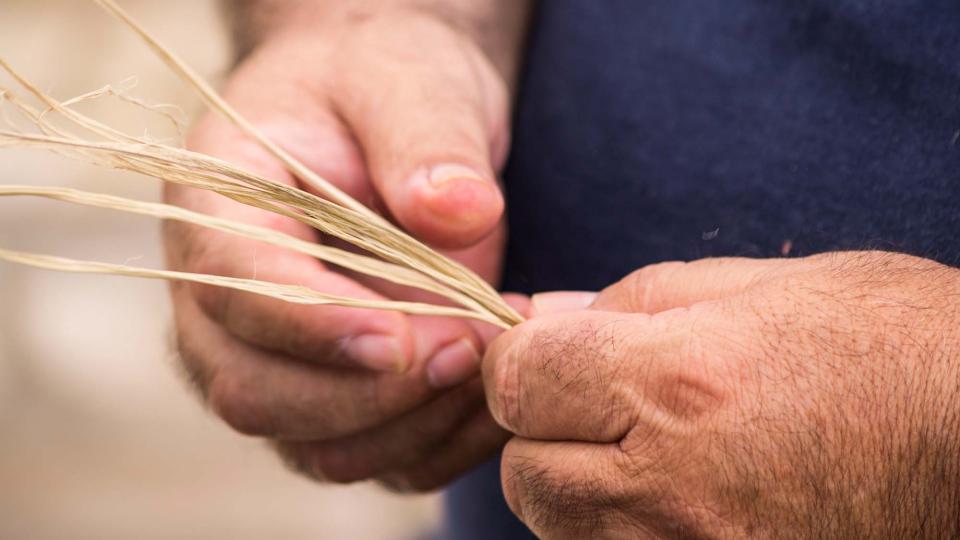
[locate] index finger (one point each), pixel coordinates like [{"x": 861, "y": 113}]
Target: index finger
[{"x": 376, "y": 340}]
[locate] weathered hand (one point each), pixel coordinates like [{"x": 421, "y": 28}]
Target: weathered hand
[
  {"x": 801, "y": 398},
  {"x": 404, "y": 111}
]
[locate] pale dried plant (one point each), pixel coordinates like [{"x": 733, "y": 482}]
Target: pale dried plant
[{"x": 391, "y": 254}]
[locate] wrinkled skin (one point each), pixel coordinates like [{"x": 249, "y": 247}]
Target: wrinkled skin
[
  {"x": 404, "y": 111},
  {"x": 732, "y": 398}
]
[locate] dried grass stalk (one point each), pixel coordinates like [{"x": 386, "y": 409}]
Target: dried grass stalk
[
  {"x": 295, "y": 294},
  {"x": 345, "y": 259},
  {"x": 398, "y": 257}
]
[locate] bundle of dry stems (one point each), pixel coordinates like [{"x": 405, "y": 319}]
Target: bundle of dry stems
[{"x": 391, "y": 254}]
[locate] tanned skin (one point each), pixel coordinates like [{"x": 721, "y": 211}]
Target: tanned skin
[
  {"x": 724, "y": 398},
  {"x": 733, "y": 398},
  {"x": 405, "y": 105}
]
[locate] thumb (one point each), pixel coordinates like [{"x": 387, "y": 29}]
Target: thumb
[
  {"x": 664, "y": 286},
  {"x": 432, "y": 142}
]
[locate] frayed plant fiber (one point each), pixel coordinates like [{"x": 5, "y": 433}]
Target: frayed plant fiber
[{"x": 37, "y": 120}]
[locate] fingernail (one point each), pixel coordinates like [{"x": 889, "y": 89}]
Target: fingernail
[
  {"x": 454, "y": 205},
  {"x": 377, "y": 352},
  {"x": 454, "y": 364},
  {"x": 559, "y": 302},
  {"x": 443, "y": 175}
]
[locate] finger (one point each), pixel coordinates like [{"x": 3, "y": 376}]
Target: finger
[
  {"x": 572, "y": 490},
  {"x": 431, "y": 141},
  {"x": 474, "y": 443},
  {"x": 393, "y": 445},
  {"x": 594, "y": 376},
  {"x": 376, "y": 340},
  {"x": 664, "y": 286},
  {"x": 266, "y": 394},
  {"x": 551, "y": 377},
  {"x": 453, "y": 365},
  {"x": 452, "y": 349}
]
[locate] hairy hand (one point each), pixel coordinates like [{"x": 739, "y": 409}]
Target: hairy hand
[
  {"x": 404, "y": 112},
  {"x": 800, "y": 398}
]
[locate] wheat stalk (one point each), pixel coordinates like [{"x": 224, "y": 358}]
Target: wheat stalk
[{"x": 398, "y": 257}]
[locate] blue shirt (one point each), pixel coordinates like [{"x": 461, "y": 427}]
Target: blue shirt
[{"x": 661, "y": 130}]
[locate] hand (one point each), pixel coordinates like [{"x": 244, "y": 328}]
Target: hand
[
  {"x": 406, "y": 113},
  {"x": 804, "y": 398}
]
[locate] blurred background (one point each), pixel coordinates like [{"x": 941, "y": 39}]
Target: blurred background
[{"x": 99, "y": 437}]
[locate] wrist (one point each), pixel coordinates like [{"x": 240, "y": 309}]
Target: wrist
[
  {"x": 918, "y": 449},
  {"x": 497, "y": 27}
]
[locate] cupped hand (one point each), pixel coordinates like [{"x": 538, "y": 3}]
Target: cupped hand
[
  {"x": 730, "y": 398},
  {"x": 406, "y": 114}
]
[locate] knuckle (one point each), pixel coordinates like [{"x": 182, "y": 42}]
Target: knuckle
[
  {"x": 235, "y": 401},
  {"x": 546, "y": 501},
  {"x": 638, "y": 288},
  {"x": 693, "y": 390}
]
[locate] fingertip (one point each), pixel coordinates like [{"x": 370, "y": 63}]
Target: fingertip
[
  {"x": 560, "y": 302},
  {"x": 453, "y": 206},
  {"x": 453, "y": 365}
]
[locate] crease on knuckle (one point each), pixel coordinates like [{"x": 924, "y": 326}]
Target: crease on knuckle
[{"x": 549, "y": 501}]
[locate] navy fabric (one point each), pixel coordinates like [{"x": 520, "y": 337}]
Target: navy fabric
[
  {"x": 476, "y": 509},
  {"x": 679, "y": 129}
]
